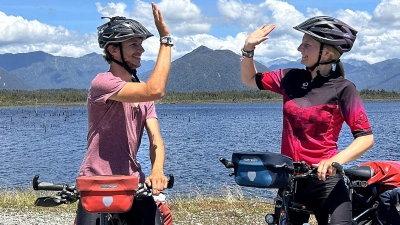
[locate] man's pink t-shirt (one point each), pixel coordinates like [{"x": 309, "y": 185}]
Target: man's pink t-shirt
[{"x": 115, "y": 130}]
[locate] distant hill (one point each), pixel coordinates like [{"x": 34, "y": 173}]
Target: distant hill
[
  {"x": 383, "y": 75},
  {"x": 44, "y": 71},
  {"x": 9, "y": 81},
  {"x": 12, "y": 62},
  {"x": 202, "y": 69}
]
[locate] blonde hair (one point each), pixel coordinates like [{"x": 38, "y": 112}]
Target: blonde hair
[{"x": 335, "y": 55}]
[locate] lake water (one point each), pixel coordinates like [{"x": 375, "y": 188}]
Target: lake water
[{"x": 51, "y": 141}]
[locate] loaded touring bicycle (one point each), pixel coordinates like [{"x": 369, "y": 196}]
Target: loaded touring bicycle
[{"x": 374, "y": 187}]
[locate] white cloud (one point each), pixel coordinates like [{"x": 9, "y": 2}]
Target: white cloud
[
  {"x": 19, "y": 35},
  {"x": 112, "y": 9},
  {"x": 377, "y": 40},
  {"x": 188, "y": 21},
  {"x": 388, "y": 13},
  {"x": 15, "y": 30},
  {"x": 246, "y": 16},
  {"x": 187, "y": 10}
]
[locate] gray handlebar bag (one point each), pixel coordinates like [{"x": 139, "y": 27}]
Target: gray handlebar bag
[{"x": 261, "y": 169}]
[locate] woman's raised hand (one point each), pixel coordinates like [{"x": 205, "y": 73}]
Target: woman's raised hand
[{"x": 258, "y": 36}]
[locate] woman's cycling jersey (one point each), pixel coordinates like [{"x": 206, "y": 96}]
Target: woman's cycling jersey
[{"x": 314, "y": 111}]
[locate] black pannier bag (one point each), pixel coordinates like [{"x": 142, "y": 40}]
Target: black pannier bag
[
  {"x": 261, "y": 169},
  {"x": 388, "y": 211}
]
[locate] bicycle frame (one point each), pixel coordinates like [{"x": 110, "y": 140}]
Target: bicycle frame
[{"x": 354, "y": 178}]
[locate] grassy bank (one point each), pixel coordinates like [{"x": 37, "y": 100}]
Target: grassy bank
[
  {"x": 65, "y": 97},
  {"x": 228, "y": 206}
]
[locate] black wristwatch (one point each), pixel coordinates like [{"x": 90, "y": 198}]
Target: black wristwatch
[
  {"x": 247, "y": 54},
  {"x": 166, "y": 40}
]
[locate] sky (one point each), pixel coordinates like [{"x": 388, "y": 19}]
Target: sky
[{"x": 69, "y": 28}]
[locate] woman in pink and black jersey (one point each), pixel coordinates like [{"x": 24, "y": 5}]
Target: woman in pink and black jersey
[{"x": 316, "y": 102}]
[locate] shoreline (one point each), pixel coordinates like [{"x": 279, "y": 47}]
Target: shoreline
[{"x": 161, "y": 102}]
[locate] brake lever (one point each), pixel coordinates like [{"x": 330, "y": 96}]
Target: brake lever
[{"x": 227, "y": 163}]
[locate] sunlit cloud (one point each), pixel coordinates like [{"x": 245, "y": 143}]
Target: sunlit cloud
[{"x": 191, "y": 26}]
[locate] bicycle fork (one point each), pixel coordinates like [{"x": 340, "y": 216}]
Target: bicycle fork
[
  {"x": 280, "y": 216},
  {"x": 110, "y": 219}
]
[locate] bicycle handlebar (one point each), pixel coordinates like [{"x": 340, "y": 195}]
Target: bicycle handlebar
[
  {"x": 227, "y": 163},
  {"x": 47, "y": 186},
  {"x": 298, "y": 167},
  {"x": 69, "y": 194}
]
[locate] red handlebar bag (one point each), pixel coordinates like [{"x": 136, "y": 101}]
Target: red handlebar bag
[{"x": 107, "y": 194}]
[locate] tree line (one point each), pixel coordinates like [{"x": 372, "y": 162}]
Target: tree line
[{"x": 79, "y": 96}]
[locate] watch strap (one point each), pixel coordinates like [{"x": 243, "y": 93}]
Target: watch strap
[
  {"x": 247, "y": 54},
  {"x": 167, "y": 40}
]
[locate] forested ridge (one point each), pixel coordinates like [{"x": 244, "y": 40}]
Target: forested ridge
[{"x": 79, "y": 96}]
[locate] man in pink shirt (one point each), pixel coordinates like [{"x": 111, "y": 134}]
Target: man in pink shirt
[{"x": 120, "y": 106}]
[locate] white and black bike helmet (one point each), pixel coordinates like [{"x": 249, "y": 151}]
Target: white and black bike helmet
[
  {"x": 330, "y": 31},
  {"x": 119, "y": 29}
]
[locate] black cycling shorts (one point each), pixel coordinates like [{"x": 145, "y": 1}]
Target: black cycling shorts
[{"x": 329, "y": 200}]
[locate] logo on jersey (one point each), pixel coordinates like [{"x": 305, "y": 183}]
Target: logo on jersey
[
  {"x": 305, "y": 85},
  {"x": 362, "y": 118}
]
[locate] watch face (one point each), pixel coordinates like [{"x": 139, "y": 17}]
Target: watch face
[{"x": 166, "y": 40}]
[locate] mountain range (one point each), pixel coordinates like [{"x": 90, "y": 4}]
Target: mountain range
[{"x": 202, "y": 69}]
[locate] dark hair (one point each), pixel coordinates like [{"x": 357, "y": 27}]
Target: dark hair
[{"x": 107, "y": 55}]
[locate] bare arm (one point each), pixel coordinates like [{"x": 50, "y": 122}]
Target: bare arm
[
  {"x": 354, "y": 151},
  {"x": 154, "y": 88},
  {"x": 156, "y": 179},
  {"x": 248, "y": 72},
  {"x": 247, "y": 68}
]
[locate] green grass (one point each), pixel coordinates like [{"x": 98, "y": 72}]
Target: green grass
[
  {"x": 25, "y": 199},
  {"x": 227, "y": 206}
]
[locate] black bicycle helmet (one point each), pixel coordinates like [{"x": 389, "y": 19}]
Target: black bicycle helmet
[
  {"x": 119, "y": 29},
  {"x": 329, "y": 31}
]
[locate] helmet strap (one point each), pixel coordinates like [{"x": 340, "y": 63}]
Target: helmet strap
[
  {"x": 134, "y": 77},
  {"x": 329, "y": 62},
  {"x": 321, "y": 47},
  {"x": 310, "y": 69}
]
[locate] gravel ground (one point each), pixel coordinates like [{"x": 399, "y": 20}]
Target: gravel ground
[{"x": 24, "y": 217}]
